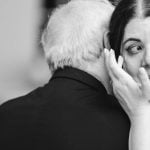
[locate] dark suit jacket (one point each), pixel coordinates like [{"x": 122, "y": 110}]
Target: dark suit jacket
[{"x": 71, "y": 112}]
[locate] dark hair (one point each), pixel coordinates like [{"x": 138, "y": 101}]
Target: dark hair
[{"x": 124, "y": 12}]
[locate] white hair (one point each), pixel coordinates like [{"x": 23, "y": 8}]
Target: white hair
[{"x": 73, "y": 36}]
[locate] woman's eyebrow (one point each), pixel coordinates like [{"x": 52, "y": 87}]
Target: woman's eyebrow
[{"x": 131, "y": 39}]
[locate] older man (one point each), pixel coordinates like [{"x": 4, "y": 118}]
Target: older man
[{"x": 73, "y": 111}]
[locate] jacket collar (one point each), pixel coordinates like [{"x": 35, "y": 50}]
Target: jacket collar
[{"x": 80, "y": 76}]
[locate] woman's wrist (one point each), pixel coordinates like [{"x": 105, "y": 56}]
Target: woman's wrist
[
  {"x": 141, "y": 113},
  {"x": 140, "y": 131}
]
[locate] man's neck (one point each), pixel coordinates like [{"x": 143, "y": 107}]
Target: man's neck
[{"x": 99, "y": 71}]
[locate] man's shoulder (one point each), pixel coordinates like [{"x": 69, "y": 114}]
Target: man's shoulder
[{"x": 21, "y": 103}]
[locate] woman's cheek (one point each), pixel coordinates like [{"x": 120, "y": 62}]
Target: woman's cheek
[{"x": 132, "y": 65}]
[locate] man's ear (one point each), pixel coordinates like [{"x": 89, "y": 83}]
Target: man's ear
[{"x": 106, "y": 43}]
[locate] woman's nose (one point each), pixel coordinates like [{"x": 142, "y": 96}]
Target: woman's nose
[{"x": 146, "y": 58}]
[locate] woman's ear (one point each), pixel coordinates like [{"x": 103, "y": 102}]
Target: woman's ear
[{"x": 106, "y": 43}]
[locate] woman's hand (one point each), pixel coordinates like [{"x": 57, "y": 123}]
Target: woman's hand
[{"x": 134, "y": 97}]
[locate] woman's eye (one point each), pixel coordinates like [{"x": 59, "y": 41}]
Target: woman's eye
[{"x": 134, "y": 49}]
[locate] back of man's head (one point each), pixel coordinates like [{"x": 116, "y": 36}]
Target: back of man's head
[{"x": 73, "y": 36}]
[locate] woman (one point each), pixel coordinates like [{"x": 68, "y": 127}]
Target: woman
[{"x": 130, "y": 36}]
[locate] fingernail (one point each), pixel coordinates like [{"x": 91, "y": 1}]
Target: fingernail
[
  {"x": 112, "y": 50},
  {"x": 105, "y": 50},
  {"x": 141, "y": 69},
  {"x": 120, "y": 59}
]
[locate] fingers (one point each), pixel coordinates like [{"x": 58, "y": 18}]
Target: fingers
[
  {"x": 115, "y": 69},
  {"x": 107, "y": 53},
  {"x": 143, "y": 76},
  {"x": 120, "y": 61}
]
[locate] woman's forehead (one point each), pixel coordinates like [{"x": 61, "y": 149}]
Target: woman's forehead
[{"x": 137, "y": 27}]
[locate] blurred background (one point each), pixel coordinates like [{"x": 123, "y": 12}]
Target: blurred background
[{"x": 22, "y": 64}]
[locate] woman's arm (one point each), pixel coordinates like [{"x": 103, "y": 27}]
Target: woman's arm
[
  {"x": 139, "y": 137},
  {"x": 134, "y": 98}
]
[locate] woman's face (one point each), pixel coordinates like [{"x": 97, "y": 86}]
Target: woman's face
[{"x": 135, "y": 47}]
